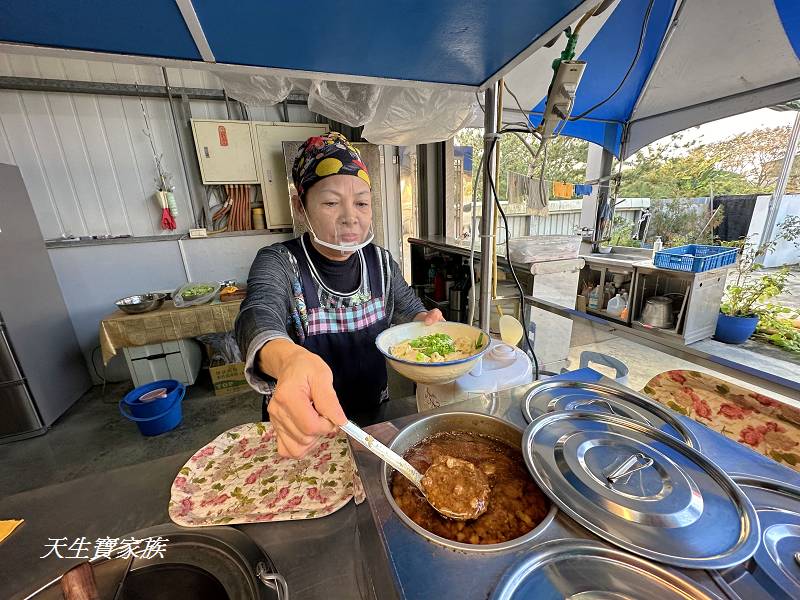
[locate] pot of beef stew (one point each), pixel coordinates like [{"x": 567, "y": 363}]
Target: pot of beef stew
[{"x": 517, "y": 509}]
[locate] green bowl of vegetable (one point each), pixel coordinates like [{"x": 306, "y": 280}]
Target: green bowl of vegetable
[
  {"x": 194, "y": 293},
  {"x": 432, "y": 354}
]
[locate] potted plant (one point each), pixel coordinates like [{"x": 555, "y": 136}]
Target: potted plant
[{"x": 746, "y": 298}]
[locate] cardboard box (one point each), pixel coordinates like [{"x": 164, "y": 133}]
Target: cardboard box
[{"x": 228, "y": 379}]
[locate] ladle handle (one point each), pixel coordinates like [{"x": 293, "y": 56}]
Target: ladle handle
[{"x": 391, "y": 458}]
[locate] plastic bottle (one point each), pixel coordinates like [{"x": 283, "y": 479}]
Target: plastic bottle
[
  {"x": 616, "y": 305},
  {"x": 594, "y": 298},
  {"x": 657, "y": 245}
]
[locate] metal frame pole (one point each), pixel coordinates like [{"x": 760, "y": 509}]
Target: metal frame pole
[
  {"x": 783, "y": 180},
  {"x": 487, "y": 210}
]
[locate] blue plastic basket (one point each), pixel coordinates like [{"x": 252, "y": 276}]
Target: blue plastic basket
[{"x": 695, "y": 258}]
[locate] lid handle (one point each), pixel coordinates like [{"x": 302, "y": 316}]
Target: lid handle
[
  {"x": 635, "y": 462},
  {"x": 589, "y": 401}
]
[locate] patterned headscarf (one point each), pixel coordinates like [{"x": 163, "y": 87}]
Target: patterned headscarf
[{"x": 324, "y": 155}]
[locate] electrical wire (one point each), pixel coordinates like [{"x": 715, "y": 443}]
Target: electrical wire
[
  {"x": 519, "y": 106},
  {"x": 645, "y": 22},
  {"x": 508, "y": 258}
]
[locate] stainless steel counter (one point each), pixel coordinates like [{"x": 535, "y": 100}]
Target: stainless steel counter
[{"x": 406, "y": 565}]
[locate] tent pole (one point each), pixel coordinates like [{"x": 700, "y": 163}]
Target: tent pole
[
  {"x": 487, "y": 206},
  {"x": 599, "y": 165},
  {"x": 783, "y": 180}
]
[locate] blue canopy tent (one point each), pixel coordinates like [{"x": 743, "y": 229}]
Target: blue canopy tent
[
  {"x": 700, "y": 60},
  {"x": 459, "y": 44}
]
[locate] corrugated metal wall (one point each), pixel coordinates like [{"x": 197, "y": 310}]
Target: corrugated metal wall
[
  {"x": 85, "y": 159},
  {"x": 562, "y": 220}
]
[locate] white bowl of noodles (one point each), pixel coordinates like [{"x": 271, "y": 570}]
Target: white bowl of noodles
[{"x": 432, "y": 354}]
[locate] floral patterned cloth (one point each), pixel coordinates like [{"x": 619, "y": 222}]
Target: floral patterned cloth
[
  {"x": 240, "y": 478},
  {"x": 766, "y": 425}
]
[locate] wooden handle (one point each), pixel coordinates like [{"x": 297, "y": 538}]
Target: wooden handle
[{"x": 78, "y": 583}]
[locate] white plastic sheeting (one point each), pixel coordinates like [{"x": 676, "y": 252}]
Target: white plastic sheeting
[
  {"x": 395, "y": 115},
  {"x": 353, "y": 104},
  {"x": 407, "y": 116},
  {"x": 256, "y": 89}
]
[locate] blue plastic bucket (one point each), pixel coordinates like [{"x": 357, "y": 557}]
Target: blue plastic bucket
[
  {"x": 154, "y": 416},
  {"x": 735, "y": 330}
]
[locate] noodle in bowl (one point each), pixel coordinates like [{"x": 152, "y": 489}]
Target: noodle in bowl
[{"x": 420, "y": 361}]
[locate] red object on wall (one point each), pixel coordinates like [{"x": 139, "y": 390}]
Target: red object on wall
[{"x": 223, "y": 135}]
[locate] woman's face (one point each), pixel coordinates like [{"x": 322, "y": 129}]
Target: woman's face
[{"x": 340, "y": 210}]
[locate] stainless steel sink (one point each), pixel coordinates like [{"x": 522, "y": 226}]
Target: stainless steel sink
[
  {"x": 214, "y": 563},
  {"x": 623, "y": 255}
]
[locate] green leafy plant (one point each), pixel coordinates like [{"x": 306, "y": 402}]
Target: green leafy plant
[
  {"x": 780, "y": 326},
  {"x": 750, "y": 292},
  {"x": 748, "y": 296}
]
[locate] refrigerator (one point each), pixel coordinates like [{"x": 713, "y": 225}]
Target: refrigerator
[{"x": 42, "y": 371}]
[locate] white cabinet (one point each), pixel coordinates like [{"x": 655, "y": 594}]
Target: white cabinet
[
  {"x": 179, "y": 359},
  {"x": 272, "y": 173},
  {"x": 225, "y": 151}
]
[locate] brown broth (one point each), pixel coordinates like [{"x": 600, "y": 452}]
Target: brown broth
[{"x": 516, "y": 504}]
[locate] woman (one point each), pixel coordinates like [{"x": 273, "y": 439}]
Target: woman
[{"x": 315, "y": 304}]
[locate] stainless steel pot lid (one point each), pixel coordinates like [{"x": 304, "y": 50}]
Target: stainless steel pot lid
[
  {"x": 641, "y": 489},
  {"x": 583, "y": 570},
  {"x": 550, "y": 396},
  {"x": 776, "y": 564}
]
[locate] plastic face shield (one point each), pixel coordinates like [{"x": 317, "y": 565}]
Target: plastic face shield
[{"x": 346, "y": 236}]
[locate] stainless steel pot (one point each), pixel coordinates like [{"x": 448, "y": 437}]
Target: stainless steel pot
[
  {"x": 458, "y": 421},
  {"x": 658, "y": 312}
]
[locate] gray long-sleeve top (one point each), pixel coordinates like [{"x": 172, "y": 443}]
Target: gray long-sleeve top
[{"x": 275, "y": 307}]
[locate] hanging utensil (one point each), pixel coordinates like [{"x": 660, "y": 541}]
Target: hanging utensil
[{"x": 511, "y": 331}]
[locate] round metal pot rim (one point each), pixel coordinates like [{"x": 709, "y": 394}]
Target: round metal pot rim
[{"x": 479, "y": 548}]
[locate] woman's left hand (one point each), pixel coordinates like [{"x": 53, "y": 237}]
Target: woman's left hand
[{"x": 430, "y": 317}]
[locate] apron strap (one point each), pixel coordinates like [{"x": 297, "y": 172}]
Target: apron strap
[
  {"x": 307, "y": 281},
  {"x": 375, "y": 270}
]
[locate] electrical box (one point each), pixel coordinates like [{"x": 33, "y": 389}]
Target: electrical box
[
  {"x": 272, "y": 166},
  {"x": 225, "y": 151}
]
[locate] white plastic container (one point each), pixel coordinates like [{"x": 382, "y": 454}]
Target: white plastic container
[
  {"x": 541, "y": 248},
  {"x": 502, "y": 367},
  {"x": 616, "y": 305}
]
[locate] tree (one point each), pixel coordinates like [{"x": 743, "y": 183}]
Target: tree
[
  {"x": 755, "y": 155},
  {"x": 675, "y": 169},
  {"x": 744, "y": 164},
  {"x": 566, "y": 158}
]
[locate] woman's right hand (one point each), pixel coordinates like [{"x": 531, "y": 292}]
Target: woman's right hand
[{"x": 304, "y": 405}]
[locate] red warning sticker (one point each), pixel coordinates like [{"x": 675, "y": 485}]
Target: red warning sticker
[{"x": 223, "y": 135}]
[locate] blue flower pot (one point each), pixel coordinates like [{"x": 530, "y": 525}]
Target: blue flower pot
[{"x": 735, "y": 330}]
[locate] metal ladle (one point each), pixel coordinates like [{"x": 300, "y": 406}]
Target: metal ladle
[{"x": 403, "y": 467}]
